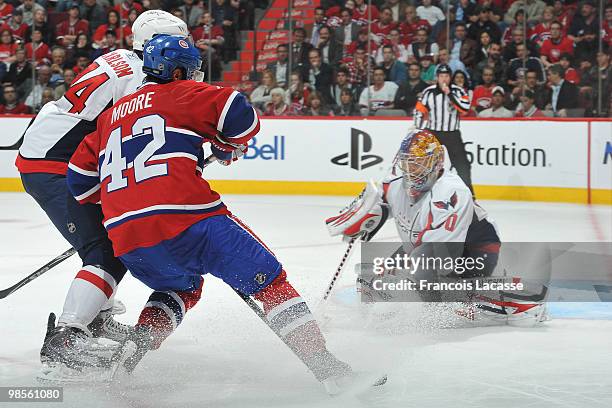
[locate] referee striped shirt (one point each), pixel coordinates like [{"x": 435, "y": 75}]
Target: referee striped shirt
[{"x": 437, "y": 111}]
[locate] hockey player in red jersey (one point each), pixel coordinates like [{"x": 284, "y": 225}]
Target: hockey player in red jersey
[
  {"x": 165, "y": 222},
  {"x": 42, "y": 162},
  {"x": 436, "y": 216}
]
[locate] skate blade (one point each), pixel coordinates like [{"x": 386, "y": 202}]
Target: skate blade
[
  {"x": 354, "y": 384},
  {"x": 117, "y": 374},
  {"x": 118, "y": 307}
]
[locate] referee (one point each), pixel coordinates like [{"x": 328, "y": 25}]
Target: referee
[{"x": 438, "y": 110}]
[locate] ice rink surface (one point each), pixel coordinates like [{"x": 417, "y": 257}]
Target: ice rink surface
[{"x": 223, "y": 356}]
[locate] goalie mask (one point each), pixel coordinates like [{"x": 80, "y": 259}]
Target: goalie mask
[{"x": 419, "y": 159}]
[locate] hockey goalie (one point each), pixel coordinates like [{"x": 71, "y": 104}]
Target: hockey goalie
[{"x": 436, "y": 217}]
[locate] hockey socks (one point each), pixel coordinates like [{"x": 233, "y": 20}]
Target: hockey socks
[
  {"x": 91, "y": 290},
  {"x": 289, "y": 316},
  {"x": 164, "y": 312}
]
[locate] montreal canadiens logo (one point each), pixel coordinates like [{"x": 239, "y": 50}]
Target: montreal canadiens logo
[{"x": 183, "y": 44}]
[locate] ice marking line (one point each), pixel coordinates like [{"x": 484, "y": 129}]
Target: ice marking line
[
  {"x": 528, "y": 394},
  {"x": 599, "y": 235}
]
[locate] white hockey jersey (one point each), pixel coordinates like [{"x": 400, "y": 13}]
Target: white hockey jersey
[
  {"x": 61, "y": 125},
  {"x": 378, "y": 99},
  {"x": 446, "y": 213}
]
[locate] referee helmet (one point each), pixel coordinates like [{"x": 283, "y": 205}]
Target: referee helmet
[{"x": 443, "y": 69}]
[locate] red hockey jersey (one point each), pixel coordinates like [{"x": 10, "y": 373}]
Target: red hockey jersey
[{"x": 144, "y": 160}]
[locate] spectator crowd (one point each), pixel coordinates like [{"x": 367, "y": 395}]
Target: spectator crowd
[
  {"x": 44, "y": 44},
  {"x": 515, "y": 58},
  {"x": 524, "y": 58}
]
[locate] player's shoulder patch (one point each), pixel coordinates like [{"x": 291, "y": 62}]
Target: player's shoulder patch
[
  {"x": 131, "y": 55},
  {"x": 450, "y": 203},
  {"x": 450, "y": 193}
]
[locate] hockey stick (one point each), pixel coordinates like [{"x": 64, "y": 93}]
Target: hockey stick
[
  {"x": 57, "y": 260},
  {"x": 60, "y": 258},
  {"x": 339, "y": 269},
  {"x": 209, "y": 160},
  {"x": 254, "y": 307},
  {"x": 14, "y": 146},
  {"x": 262, "y": 316},
  {"x": 17, "y": 144}
]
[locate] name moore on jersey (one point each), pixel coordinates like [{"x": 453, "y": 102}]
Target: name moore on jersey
[
  {"x": 61, "y": 125},
  {"x": 143, "y": 163}
]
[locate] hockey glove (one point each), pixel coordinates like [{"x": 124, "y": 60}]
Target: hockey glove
[
  {"x": 226, "y": 152},
  {"x": 369, "y": 224},
  {"x": 363, "y": 217}
]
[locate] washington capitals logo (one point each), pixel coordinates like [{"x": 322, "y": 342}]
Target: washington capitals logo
[{"x": 443, "y": 205}]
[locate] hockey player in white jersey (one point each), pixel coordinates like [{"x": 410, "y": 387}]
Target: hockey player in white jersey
[
  {"x": 435, "y": 215},
  {"x": 43, "y": 160}
]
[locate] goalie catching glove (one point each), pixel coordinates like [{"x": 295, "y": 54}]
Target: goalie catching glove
[
  {"x": 363, "y": 217},
  {"x": 226, "y": 152}
]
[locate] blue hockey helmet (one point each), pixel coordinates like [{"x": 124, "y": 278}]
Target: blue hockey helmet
[{"x": 164, "y": 53}]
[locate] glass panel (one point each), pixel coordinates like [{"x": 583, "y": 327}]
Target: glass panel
[{"x": 542, "y": 60}]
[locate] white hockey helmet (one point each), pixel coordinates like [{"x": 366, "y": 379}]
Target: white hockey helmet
[{"x": 154, "y": 22}]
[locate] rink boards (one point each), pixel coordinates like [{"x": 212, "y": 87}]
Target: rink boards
[{"x": 545, "y": 160}]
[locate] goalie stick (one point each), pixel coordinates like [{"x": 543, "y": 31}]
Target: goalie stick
[
  {"x": 57, "y": 260},
  {"x": 339, "y": 269}
]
